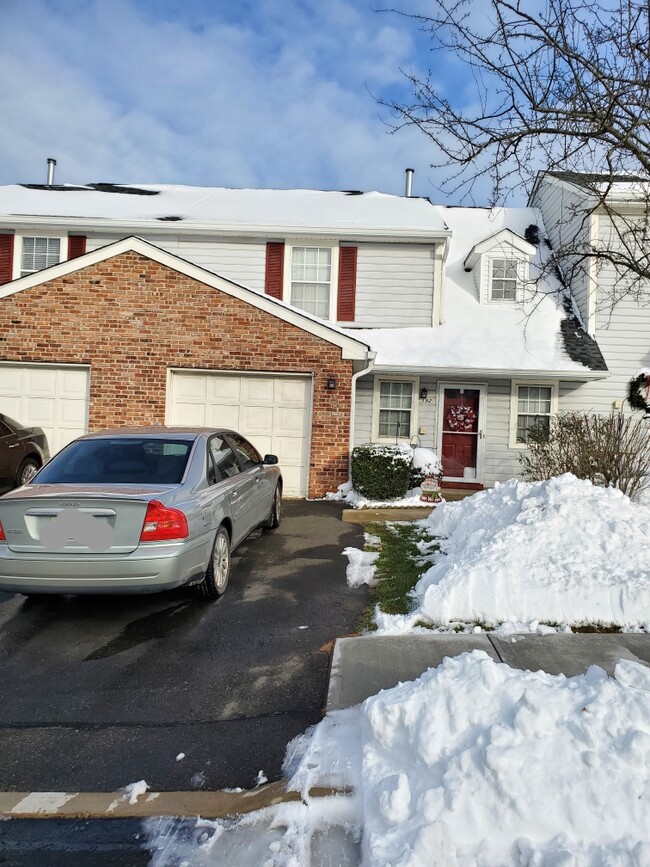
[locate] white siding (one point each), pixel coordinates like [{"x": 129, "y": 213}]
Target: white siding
[
  {"x": 565, "y": 222},
  {"x": 500, "y": 461},
  {"x": 241, "y": 261},
  {"x": 394, "y": 285}
]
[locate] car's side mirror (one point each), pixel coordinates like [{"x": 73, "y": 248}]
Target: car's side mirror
[{"x": 270, "y": 459}]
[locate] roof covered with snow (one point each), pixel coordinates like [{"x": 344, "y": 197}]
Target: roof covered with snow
[
  {"x": 225, "y": 209},
  {"x": 533, "y": 337}
]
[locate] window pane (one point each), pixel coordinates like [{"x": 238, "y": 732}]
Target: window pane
[
  {"x": 395, "y": 406},
  {"x": 39, "y": 253},
  {"x": 504, "y": 280},
  {"x": 310, "y": 279},
  {"x": 534, "y": 404}
]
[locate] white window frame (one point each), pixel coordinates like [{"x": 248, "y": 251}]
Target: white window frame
[
  {"x": 333, "y": 246},
  {"x": 522, "y": 275},
  {"x": 36, "y": 233},
  {"x": 415, "y": 380},
  {"x": 514, "y": 404}
]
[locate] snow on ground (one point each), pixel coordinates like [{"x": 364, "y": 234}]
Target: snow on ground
[
  {"x": 522, "y": 555},
  {"x": 474, "y": 764},
  {"x": 346, "y": 494},
  {"x": 361, "y": 566}
]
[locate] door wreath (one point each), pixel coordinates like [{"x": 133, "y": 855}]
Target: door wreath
[{"x": 461, "y": 418}]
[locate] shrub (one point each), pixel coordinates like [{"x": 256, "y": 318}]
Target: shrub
[
  {"x": 425, "y": 464},
  {"x": 381, "y": 472},
  {"x": 609, "y": 450}
]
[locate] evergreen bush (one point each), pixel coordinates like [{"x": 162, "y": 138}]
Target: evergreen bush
[{"x": 381, "y": 472}]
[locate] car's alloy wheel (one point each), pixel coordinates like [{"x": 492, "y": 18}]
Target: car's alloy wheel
[
  {"x": 26, "y": 471},
  {"x": 218, "y": 572}
]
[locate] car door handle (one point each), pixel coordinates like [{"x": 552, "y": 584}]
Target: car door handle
[{"x": 14, "y": 446}]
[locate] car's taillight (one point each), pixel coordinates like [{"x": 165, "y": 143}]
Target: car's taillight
[
  {"x": 161, "y": 523},
  {"x": 3, "y": 538}
]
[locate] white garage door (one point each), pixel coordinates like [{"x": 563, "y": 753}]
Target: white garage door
[
  {"x": 271, "y": 411},
  {"x": 53, "y": 398}
]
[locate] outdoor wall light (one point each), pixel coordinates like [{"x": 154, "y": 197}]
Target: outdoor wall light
[
  {"x": 423, "y": 394},
  {"x": 331, "y": 383}
]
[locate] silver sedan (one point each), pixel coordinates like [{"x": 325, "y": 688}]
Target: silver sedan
[{"x": 136, "y": 511}]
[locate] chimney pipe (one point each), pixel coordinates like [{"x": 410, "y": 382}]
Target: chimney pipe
[
  {"x": 51, "y": 162},
  {"x": 408, "y": 191}
]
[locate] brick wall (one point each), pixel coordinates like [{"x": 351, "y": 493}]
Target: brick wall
[{"x": 131, "y": 319}]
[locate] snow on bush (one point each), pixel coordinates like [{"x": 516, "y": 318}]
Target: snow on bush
[
  {"x": 485, "y": 765},
  {"x": 421, "y": 462},
  {"x": 559, "y": 551}
]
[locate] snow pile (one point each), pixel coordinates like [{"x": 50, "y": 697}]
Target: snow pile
[
  {"x": 361, "y": 567},
  {"x": 474, "y": 764},
  {"x": 560, "y": 551},
  {"x": 484, "y": 765}
]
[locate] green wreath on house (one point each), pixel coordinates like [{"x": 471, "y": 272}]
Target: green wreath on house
[{"x": 638, "y": 389}]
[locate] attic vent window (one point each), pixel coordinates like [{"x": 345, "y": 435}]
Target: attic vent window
[{"x": 503, "y": 285}]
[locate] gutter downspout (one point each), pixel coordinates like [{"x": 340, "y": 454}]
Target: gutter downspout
[{"x": 353, "y": 402}]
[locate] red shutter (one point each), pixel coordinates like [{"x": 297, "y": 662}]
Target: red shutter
[
  {"x": 76, "y": 246},
  {"x": 273, "y": 277},
  {"x": 347, "y": 284},
  {"x": 6, "y": 258}
]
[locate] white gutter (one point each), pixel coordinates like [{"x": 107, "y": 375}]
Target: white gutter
[
  {"x": 353, "y": 403},
  {"x": 456, "y": 373},
  {"x": 78, "y": 222}
]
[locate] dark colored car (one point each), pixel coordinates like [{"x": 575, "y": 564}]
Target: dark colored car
[{"x": 23, "y": 451}]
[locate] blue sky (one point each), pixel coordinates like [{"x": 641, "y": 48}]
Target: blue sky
[{"x": 258, "y": 93}]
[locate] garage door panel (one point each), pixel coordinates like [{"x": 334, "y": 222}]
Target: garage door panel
[
  {"x": 225, "y": 389},
  {"x": 288, "y": 421},
  {"x": 223, "y": 416},
  {"x": 258, "y": 390},
  {"x": 271, "y": 411},
  {"x": 39, "y": 412},
  {"x": 289, "y": 391},
  {"x": 257, "y": 419},
  {"x": 53, "y": 398}
]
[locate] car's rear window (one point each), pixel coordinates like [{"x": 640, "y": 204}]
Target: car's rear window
[{"x": 117, "y": 461}]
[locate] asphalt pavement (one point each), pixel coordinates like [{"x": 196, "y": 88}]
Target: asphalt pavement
[{"x": 99, "y": 691}]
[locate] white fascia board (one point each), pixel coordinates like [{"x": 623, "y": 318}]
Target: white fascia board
[
  {"x": 496, "y": 373},
  {"x": 492, "y": 243},
  {"x": 351, "y": 348},
  {"x": 227, "y": 230}
]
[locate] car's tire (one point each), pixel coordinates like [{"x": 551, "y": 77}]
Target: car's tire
[
  {"x": 27, "y": 470},
  {"x": 275, "y": 517},
  {"x": 217, "y": 574}
]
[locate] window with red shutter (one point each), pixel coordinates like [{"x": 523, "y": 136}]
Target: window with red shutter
[
  {"x": 274, "y": 275},
  {"x": 347, "y": 284},
  {"x": 6, "y": 258}
]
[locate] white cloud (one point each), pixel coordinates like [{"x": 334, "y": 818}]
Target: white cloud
[{"x": 279, "y": 98}]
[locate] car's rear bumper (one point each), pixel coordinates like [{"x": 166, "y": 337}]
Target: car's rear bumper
[{"x": 148, "y": 569}]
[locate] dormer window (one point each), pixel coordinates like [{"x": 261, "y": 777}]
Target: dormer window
[
  {"x": 504, "y": 277},
  {"x": 500, "y": 266}
]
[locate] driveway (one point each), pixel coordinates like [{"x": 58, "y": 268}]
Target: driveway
[{"x": 102, "y": 691}]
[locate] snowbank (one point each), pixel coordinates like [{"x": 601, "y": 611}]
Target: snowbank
[
  {"x": 560, "y": 551},
  {"x": 474, "y": 764},
  {"x": 485, "y": 765}
]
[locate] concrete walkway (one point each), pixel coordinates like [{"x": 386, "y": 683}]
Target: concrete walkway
[{"x": 363, "y": 666}]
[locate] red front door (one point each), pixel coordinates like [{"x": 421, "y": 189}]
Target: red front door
[{"x": 460, "y": 432}]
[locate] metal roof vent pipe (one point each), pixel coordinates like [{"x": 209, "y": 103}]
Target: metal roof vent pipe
[
  {"x": 408, "y": 189},
  {"x": 51, "y": 162}
]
